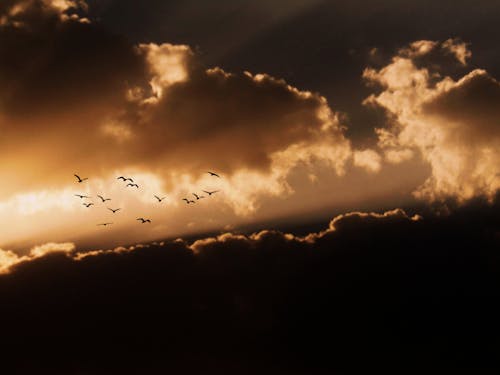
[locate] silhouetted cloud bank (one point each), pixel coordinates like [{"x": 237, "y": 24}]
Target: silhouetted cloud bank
[{"x": 383, "y": 290}]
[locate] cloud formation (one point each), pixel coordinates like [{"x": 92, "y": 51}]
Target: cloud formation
[
  {"x": 453, "y": 124},
  {"x": 9, "y": 258},
  {"x": 370, "y": 284},
  {"x": 102, "y": 103},
  {"x": 341, "y": 223}
]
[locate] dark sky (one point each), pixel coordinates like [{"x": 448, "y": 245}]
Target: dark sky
[{"x": 315, "y": 45}]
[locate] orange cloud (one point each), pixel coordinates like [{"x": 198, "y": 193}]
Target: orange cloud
[{"x": 452, "y": 124}]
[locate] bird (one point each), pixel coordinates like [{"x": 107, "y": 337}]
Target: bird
[
  {"x": 80, "y": 179},
  {"x": 104, "y": 199},
  {"x": 188, "y": 200},
  {"x": 104, "y": 224},
  {"x": 81, "y": 196},
  {"x": 87, "y": 204},
  {"x": 210, "y": 192},
  {"x": 125, "y": 179},
  {"x": 159, "y": 199},
  {"x": 198, "y": 197},
  {"x": 116, "y": 209},
  {"x": 137, "y": 186},
  {"x": 144, "y": 220},
  {"x": 213, "y": 174}
]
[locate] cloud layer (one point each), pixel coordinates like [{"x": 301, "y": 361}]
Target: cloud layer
[{"x": 389, "y": 288}]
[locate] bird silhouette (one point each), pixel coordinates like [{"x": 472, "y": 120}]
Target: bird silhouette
[
  {"x": 210, "y": 192},
  {"x": 113, "y": 210},
  {"x": 87, "y": 204},
  {"x": 137, "y": 186},
  {"x": 80, "y": 179},
  {"x": 198, "y": 197},
  {"x": 213, "y": 174},
  {"x": 144, "y": 220},
  {"x": 159, "y": 199},
  {"x": 81, "y": 196},
  {"x": 188, "y": 200},
  {"x": 125, "y": 179},
  {"x": 104, "y": 224},
  {"x": 104, "y": 199}
]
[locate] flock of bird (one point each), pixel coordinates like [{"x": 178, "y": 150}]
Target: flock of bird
[{"x": 133, "y": 184}]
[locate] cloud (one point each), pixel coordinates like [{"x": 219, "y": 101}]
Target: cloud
[
  {"x": 368, "y": 159},
  {"x": 340, "y": 223},
  {"x": 452, "y": 124},
  {"x": 370, "y": 284},
  {"x": 102, "y": 103},
  {"x": 9, "y": 258}
]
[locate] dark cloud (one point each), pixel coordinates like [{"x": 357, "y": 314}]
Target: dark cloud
[
  {"x": 320, "y": 46},
  {"x": 383, "y": 290},
  {"x": 55, "y": 66},
  {"x": 474, "y": 104}
]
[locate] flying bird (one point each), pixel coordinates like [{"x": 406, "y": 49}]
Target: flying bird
[
  {"x": 213, "y": 174},
  {"x": 81, "y": 196},
  {"x": 125, "y": 179},
  {"x": 210, "y": 192},
  {"x": 104, "y": 224},
  {"x": 116, "y": 209},
  {"x": 188, "y": 200},
  {"x": 137, "y": 186},
  {"x": 87, "y": 204},
  {"x": 104, "y": 199},
  {"x": 159, "y": 199},
  {"x": 80, "y": 179},
  {"x": 144, "y": 220},
  {"x": 198, "y": 197}
]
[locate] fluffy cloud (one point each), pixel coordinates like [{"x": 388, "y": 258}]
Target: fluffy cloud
[
  {"x": 452, "y": 124},
  {"x": 101, "y": 103},
  {"x": 368, "y": 159}
]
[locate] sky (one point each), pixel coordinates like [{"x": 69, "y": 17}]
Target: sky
[
  {"x": 321, "y": 119},
  {"x": 309, "y": 123}
]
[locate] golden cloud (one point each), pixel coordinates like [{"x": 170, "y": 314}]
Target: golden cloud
[
  {"x": 151, "y": 108},
  {"x": 453, "y": 124}
]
